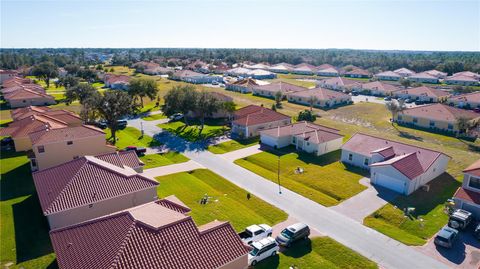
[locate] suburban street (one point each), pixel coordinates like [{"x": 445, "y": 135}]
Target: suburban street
[{"x": 388, "y": 253}]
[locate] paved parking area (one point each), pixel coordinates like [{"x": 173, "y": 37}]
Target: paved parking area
[{"x": 464, "y": 255}]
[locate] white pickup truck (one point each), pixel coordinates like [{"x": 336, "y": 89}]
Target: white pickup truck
[{"x": 255, "y": 233}]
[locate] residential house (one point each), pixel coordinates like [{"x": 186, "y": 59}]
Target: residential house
[
  {"x": 194, "y": 77},
  {"x": 23, "y": 97},
  {"x": 468, "y": 100},
  {"x": 90, "y": 187},
  {"x": 404, "y": 72},
  {"x": 117, "y": 82},
  {"x": 52, "y": 147},
  {"x": 462, "y": 80},
  {"x": 340, "y": 84},
  {"x": 328, "y": 72},
  {"x": 321, "y": 98},
  {"x": 423, "y": 93},
  {"x": 270, "y": 90},
  {"x": 282, "y": 68},
  {"x": 238, "y": 72},
  {"x": 7, "y": 74},
  {"x": 358, "y": 73},
  {"x": 438, "y": 117},
  {"x": 220, "y": 113},
  {"x": 305, "y": 69},
  {"x": 250, "y": 120},
  {"x": 388, "y": 75},
  {"x": 379, "y": 88},
  {"x": 15, "y": 81},
  {"x": 394, "y": 165},
  {"x": 198, "y": 66},
  {"x": 436, "y": 73},
  {"x": 245, "y": 85},
  {"x": 424, "y": 77},
  {"x": 467, "y": 197},
  {"x": 305, "y": 136},
  {"x": 257, "y": 66},
  {"x": 159, "y": 234},
  {"x": 261, "y": 74},
  {"x": 467, "y": 74}
]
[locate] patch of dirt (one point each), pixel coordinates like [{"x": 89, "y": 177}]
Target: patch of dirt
[{"x": 358, "y": 122}]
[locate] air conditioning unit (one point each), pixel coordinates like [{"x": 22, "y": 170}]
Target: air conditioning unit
[{"x": 425, "y": 187}]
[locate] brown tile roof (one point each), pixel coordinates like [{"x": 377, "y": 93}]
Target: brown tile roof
[
  {"x": 64, "y": 134},
  {"x": 380, "y": 86},
  {"x": 34, "y": 123},
  {"x": 339, "y": 81},
  {"x": 25, "y": 93},
  {"x": 84, "y": 181},
  {"x": 122, "y": 158},
  {"x": 468, "y": 97},
  {"x": 407, "y": 164},
  {"x": 280, "y": 86},
  {"x": 112, "y": 78},
  {"x": 253, "y": 115},
  {"x": 246, "y": 82},
  {"x": 423, "y": 75},
  {"x": 424, "y": 91},
  {"x": 366, "y": 144},
  {"x": 313, "y": 132},
  {"x": 320, "y": 94},
  {"x": 358, "y": 71},
  {"x": 16, "y": 81},
  {"x": 147, "y": 236},
  {"x": 440, "y": 112},
  {"x": 436, "y": 73},
  {"x": 19, "y": 113},
  {"x": 474, "y": 168},
  {"x": 468, "y": 195}
]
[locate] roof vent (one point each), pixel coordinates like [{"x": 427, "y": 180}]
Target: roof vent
[{"x": 69, "y": 244}]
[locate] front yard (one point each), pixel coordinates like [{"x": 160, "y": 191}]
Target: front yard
[
  {"x": 319, "y": 252},
  {"x": 162, "y": 159},
  {"x": 428, "y": 218},
  {"x": 132, "y": 137},
  {"x": 226, "y": 200},
  {"x": 325, "y": 180},
  {"x": 153, "y": 117},
  {"x": 232, "y": 145},
  {"x": 192, "y": 132}
]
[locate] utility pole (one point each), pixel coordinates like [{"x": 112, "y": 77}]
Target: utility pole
[{"x": 278, "y": 176}]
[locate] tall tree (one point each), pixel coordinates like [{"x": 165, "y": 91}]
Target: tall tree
[
  {"x": 79, "y": 92},
  {"x": 395, "y": 107},
  {"x": 45, "y": 71},
  {"x": 180, "y": 99},
  {"x": 463, "y": 125},
  {"x": 143, "y": 87},
  {"x": 112, "y": 107},
  {"x": 278, "y": 99},
  {"x": 230, "y": 108},
  {"x": 206, "y": 105},
  {"x": 405, "y": 82}
]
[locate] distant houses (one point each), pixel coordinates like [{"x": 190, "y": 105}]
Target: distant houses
[
  {"x": 424, "y": 77},
  {"x": 319, "y": 97},
  {"x": 404, "y": 72},
  {"x": 270, "y": 90},
  {"x": 358, "y": 73},
  {"x": 304, "y": 69},
  {"x": 244, "y": 85},
  {"x": 194, "y": 77},
  {"x": 19, "y": 92},
  {"x": 468, "y": 100},
  {"x": 340, "y": 84},
  {"x": 116, "y": 82},
  {"x": 379, "y": 88},
  {"x": 250, "y": 120},
  {"x": 388, "y": 75},
  {"x": 423, "y": 94},
  {"x": 462, "y": 80},
  {"x": 328, "y": 72}
]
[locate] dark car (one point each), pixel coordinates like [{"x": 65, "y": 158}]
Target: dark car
[
  {"x": 355, "y": 93},
  {"x": 446, "y": 237},
  {"x": 101, "y": 124},
  {"x": 7, "y": 143},
  {"x": 138, "y": 150},
  {"x": 418, "y": 102},
  {"x": 293, "y": 233},
  {"x": 460, "y": 219},
  {"x": 476, "y": 232},
  {"x": 122, "y": 124}
]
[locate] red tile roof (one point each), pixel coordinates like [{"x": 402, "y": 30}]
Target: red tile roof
[
  {"x": 84, "y": 181},
  {"x": 16, "y": 81},
  {"x": 35, "y": 123},
  {"x": 253, "y": 115},
  {"x": 147, "y": 236},
  {"x": 64, "y": 134},
  {"x": 461, "y": 78},
  {"x": 407, "y": 164},
  {"x": 112, "y": 78},
  {"x": 364, "y": 144},
  {"x": 424, "y": 91},
  {"x": 387, "y": 152},
  {"x": 25, "y": 93},
  {"x": 468, "y": 195},
  {"x": 19, "y": 113},
  {"x": 247, "y": 82},
  {"x": 440, "y": 112},
  {"x": 473, "y": 169},
  {"x": 380, "y": 86},
  {"x": 468, "y": 97},
  {"x": 122, "y": 159}
]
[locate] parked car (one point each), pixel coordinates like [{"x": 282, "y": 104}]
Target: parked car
[
  {"x": 388, "y": 98},
  {"x": 477, "y": 109},
  {"x": 446, "y": 237},
  {"x": 355, "y": 93},
  {"x": 408, "y": 101},
  {"x": 122, "y": 124},
  {"x": 176, "y": 116},
  {"x": 138, "y": 150},
  {"x": 7, "y": 143},
  {"x": 476, "y": 232},
  {"x": 101, "y": 124},
  {"x": 261, "y": 250},
  {"x": 214, "y": 82},
  {"x": 418, "y": 102},
  {"x": 255, "y": 232},
  {"x": 293, "y": 233},
  {"x": 460, "y": 219}
]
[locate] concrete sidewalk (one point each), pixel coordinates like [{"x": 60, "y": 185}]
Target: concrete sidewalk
[{"x": 241, "y": 153}]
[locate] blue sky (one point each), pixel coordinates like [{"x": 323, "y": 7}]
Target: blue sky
[{"x": 404, "y": 25}]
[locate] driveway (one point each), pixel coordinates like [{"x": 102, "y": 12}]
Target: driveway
[
  {"x": 172, "y": 169},
  {"x": 365, "y": 203},
  {"x": 464, "y": 255},
  {"x": 241, "y": 153},
  {"x": 388, "y": 253}
]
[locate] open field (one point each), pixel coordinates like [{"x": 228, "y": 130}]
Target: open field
[
  {"x": 325, "y": 180},
  {"x": 232, "y": 145},
  {"x": 162, "y": 159},
  {"x": 131, "y": 137},
  {"x": 318, "y": 252},
  {"x": 226, "y": 202},
  {"x": 24, "y": 238}
]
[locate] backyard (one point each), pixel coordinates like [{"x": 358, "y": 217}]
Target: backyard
[
  {"x": 162, "y": 159},
  {"x": 132, "y": 137},
  {"x": 193, "y": 132},
  {"x": 232, "y": 145},
  {"x": 317, "y": 252},
  {"x": 324, "y": 180},
  {"x": 226, "y": 200},
  {"x": 427, "y": 219}
]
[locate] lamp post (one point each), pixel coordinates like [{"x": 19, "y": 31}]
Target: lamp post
[
  {"x": 141, "y": 128},
  {"x": 278, "y": 176}
]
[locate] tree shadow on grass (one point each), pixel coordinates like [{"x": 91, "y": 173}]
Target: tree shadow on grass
[
  {"x": 31, "y": 230},
  {"x": 408, "y": 135},
  {"x": 53, "y": 265}
]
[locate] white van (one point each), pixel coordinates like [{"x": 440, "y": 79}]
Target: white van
[{"x": 262, "y": 249}]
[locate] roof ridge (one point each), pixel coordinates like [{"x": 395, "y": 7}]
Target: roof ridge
[{"x": 125, "y": 241}]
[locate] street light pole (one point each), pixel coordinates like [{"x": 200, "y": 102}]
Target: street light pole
[{"x": 278, "y": 176}]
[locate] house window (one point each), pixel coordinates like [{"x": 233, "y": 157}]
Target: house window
[
  {"x": 41, "y": 149},
  {"x": 432, "y": 123},
  {"x": 474, "y": 182},
  {"x": 450, "y": 126},
  {"x": 350, "y": 157},
  {"x": 415, "y": 120},
  {"x": 365, "y": 162},
  {"x": 294, "y": 139},
  {"x": 69, "y": 142}
]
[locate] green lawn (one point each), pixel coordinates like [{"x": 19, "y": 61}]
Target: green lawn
[
  {"x": 319, "y": 252},
  {"x": 24, "y": 230},
  {"x": 156, "y": 160},
  {"x": 325, "y": 180},
  {"x": 232, "y": 145},
  {"x": 212, "y": 128},
  {"x": 154, "y": 117},
  {"x": 428, "y": 218},
  {"x": 132, "y": 137},
  {"x": 227, "y": 201}
]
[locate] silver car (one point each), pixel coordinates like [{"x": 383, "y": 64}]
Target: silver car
[{"x": 292, "y": 233}]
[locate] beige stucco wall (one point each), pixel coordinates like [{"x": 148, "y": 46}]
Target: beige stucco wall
[
  {"x": 22, "y": 143},
  {"x": 239, "y": 263},
  {"x": 101, "y": 208},
  {"x": 59, "y": 152},
  {"x": 254, "y": 130},
  {"x": 425, "y": 123},
  {"x": 320, "y": 103}
]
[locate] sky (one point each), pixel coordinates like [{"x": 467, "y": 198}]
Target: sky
[{"x": 376, "y": 24}]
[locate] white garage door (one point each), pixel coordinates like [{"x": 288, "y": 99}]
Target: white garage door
[{"x": 390, "y": 183}]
